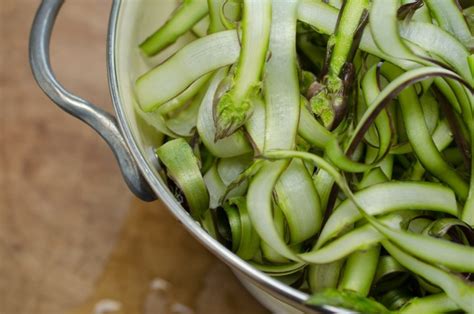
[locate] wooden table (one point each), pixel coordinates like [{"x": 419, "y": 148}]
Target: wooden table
[{"x": 72, "y": 237}]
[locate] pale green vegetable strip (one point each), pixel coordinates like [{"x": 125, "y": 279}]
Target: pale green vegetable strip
[
  {"x": 468, "y": 210},
  {"x": 279, "y": 269},
  {"x": 323, "y": 182},
  {"x": 183, "y": 18},
  {"x": 465, "y": 99},
  {"x": 246, "y": 175},
  {"x": 437, "y": 41},
  {"x": 388, "y": 197},
  {"x": 234, "y": 107},
  {"x": 335, "y": 3},
  {"x": 249, "y": 240},
  {"x": 431, "y": 110},
  {"x": 172, "y": 77},
  {"x": 374, "y": 176},
  {"x": 386, "y": 165},
  {"x": 183, "y": 168},
  {"x": 215, "y": 23},
  {"x": 299, "y": 201},
  {"x": 442, "y": 138},
  {"x": 281, "y": 88},
  {"x": 234, "y": 145},
  {"x": 318, "y": 14},
  {"x": 450, "y": 18},
  {"x": 184, "y": 122},
  {"x": 230, "y": 168},
  {"x": 215, "y": 186},
  {"x": 359, "y": 271},
  {"x": 323, "y": 276},
  {"x": 234, "y": 223},
  {"x": 208, "y": 224},
  {"x": 185, "y": 96},
  {"x": 371, "y": 136},
  {"x": 448, "y": 93},
  {"x": 422, "y": 14},
  {"x": 382, "y": 122},
  {"x": 154, "y": 120},
  {"x": 470, "y": 60},
  {"x": 259, "y": 204},
  {"x": 200, "y": 28},
  {"x": 384, "y": 28},
  {"x": 437, "y": 303},
  {"x": 344, "y": 35},
  {"x": 461, "y": 292},
  {"x": 317, "y": 160},
  {"x": 268, "y": 252},
  {"x": 336, "y": 155},
  {"x": 361, "y": 238},
  {"x": 231, "y": 13},
  {"x": 291, "y": 279},
  {"x": 255, "y": 125},
  {"x": 311, "y": 130}
]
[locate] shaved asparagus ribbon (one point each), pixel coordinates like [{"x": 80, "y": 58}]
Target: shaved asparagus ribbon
[
  {"x": 185, "y": 16},
  {"x": 235, "y": 106},
  {"x": 182, "y": 167},
  {"x": 440, "y": 303},
  {"x": 162, "y": 84},
  {"x": 233, "y": 112},
  {"x": 450, "y": 19}
]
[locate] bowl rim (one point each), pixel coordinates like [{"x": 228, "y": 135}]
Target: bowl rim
[{"x": 277, "y": 289}]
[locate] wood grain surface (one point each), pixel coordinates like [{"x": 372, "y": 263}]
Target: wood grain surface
[{"x": 72, "y": 237}]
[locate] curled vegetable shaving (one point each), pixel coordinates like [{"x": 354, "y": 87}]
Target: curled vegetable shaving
[
  {"x": 327, "y": 143},
  {"x": 182, "y": 166}
]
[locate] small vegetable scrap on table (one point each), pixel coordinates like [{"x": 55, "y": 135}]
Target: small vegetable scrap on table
[{"x": 328, "y": 143}]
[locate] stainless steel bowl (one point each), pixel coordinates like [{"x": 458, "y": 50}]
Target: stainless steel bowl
[{"x": 123, "y": 135}]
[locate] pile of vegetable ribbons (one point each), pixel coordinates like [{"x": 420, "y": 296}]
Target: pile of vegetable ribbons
[{"x": 327, "y": 143}]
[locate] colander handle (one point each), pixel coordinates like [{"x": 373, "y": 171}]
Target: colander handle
[{"x": 101, "y": 121}]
